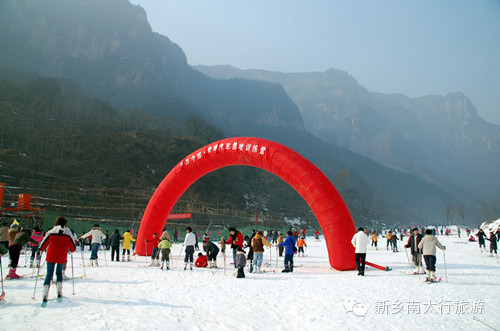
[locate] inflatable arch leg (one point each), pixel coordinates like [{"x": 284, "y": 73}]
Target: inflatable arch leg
[{"x": 312, "y": 185}]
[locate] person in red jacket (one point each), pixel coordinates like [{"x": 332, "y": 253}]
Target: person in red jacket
[
  {"x": 235, "y": 240},
  {"x": 201, "y": 261},
  {"x": 57, "y": 242},
  {"x": 155, "y": 254}
]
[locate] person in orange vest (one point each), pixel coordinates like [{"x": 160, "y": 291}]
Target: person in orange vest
[{"x": 301, "y": 244}]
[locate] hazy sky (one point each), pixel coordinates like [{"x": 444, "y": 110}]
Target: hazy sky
[{"x": 396, "y": 46}]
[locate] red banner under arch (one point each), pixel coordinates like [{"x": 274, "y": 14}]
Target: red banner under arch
[{"x": 314, "y": 187}]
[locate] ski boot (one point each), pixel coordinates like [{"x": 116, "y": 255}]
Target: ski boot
[
  {"x": 59, "y": 291},
  {"x": 12, "y": 273},
  {"x": 45, "y": 295},
  {"x": 191, "y": 266},
  {"x": 185, "y": 266}
]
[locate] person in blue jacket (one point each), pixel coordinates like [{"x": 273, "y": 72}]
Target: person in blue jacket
[{"x": 289, "y": 245}]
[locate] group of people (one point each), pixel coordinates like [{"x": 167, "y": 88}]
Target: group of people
[
  {"x": 420, "y": 245},
  {"x": 245, "y": 249},
  {"x": 493, "y": 238}
]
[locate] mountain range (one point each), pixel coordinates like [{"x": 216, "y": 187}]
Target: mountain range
[{"x": 390, "y": 156}]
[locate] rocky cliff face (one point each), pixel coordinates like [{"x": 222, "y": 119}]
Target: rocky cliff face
[
  {"x": 110, "y": 49},
  {"x": 438, "y": 138}
]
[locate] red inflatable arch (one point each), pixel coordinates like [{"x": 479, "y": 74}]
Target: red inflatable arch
[{"x": 316, "y": 189}]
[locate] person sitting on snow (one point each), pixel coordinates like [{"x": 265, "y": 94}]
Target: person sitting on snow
[
  {"x": 201, "y": 261},
  {"x": 428, "y": 246}
]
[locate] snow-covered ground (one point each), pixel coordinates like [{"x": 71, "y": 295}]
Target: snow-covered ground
[{"x": 127, "y": 295}]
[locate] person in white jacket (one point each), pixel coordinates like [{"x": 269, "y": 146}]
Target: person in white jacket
[
  {"x": 97, "y": 237},
  {"x": 360, "y": 241},
  {"x": 189, "y": 242},
  {"x": 428, "y": 246}
]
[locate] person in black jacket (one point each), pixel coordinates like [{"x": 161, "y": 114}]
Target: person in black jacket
[
  {"x": 480, "y": 238},
  {"x": 212, "y": 251},
  {"x": 493, "y": 243},
  {"x": 114, "y": 242}
]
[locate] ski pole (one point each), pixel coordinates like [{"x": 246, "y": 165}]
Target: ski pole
[
  {"x": 2, "y": 295},
  {"x": 83, "y": 262},
  {"x": 445, "y": 271},
  {"x": 104, "y": 252},
  {"x": 73, "y": 273},
  {"x": 36, "y": 280},
  {"x": 408, "y": 258}
]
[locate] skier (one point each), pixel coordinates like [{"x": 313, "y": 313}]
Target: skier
[
  {"x": 304, "y": 232},
  {"x": 480, "y": 238},
  {"x": 189, "y": 242},
  {"x": 201, "y": 261},
  {"x": 316, "y": 235},
  {"x": 301, "y": 243},
  {"x": 428, "y": 246},
  {"x": 289, "y": 245},
  {"x": 114, "y": 242},
  {"x": 388, "y": 237},
  {"x": 57, "y": 242},
  {"x": 97, "y": 237},
  {"x": 248, "y": 244},
  {"x": 165, "y": 235},
  {"x": 4, "y": 235},
  {"x": 360, "y": 241},
  {"x": 156, "y": 252},
  {"x": 165, "y": 246},
  {"x": 394, "y": 242},
  {"x": 241, "y": 262},
  {"x": 416, "y": 253},
  {"x": 235, "y": 240},
  {"x": 35, "y": 252},
  {"x": 127, "y": 239},
  {"x": 258, "y": 243},
  {"x": 375, "y": 239},
  {"x": 280, "y": 241},
  {"x": 176, "y": 235},
  {"x": 493, "y": 243},
  {"x": 21, "y": 238},
  {"x": 212, "y": 251}
]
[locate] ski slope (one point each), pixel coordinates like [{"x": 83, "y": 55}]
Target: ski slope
[{"x": 127, "y": 295}]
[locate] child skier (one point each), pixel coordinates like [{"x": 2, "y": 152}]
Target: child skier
[
  {"x": 189, "y": 242},
  {"x": 289, "y": 245},
  {"x": 212, "y": 251},
  {"x": 21, "y": 238},
  {"x": 35, "y": 251},
  {"x": 428, "y": 246},
  {"x": 375, "y": 239},
  {"x": 57, "y": 242},
  {"x": 165, "y": 246},
  {"x": 241, "y": 262},
  {"x": 201, "y": 261},
  {"x": 127, "y": 243},
  {"x": 301, "y": 244},
  {"x": 156, "y": 252}
]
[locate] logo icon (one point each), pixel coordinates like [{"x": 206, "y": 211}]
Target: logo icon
[{"x": 352, "y": 304}]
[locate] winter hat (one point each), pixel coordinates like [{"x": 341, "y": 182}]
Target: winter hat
[
  {"x": 206, "y": 238},
  {"x": 260, "y": 232}
]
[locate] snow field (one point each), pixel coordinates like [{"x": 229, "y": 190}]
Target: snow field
[{"x": 128, "y": 295}]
